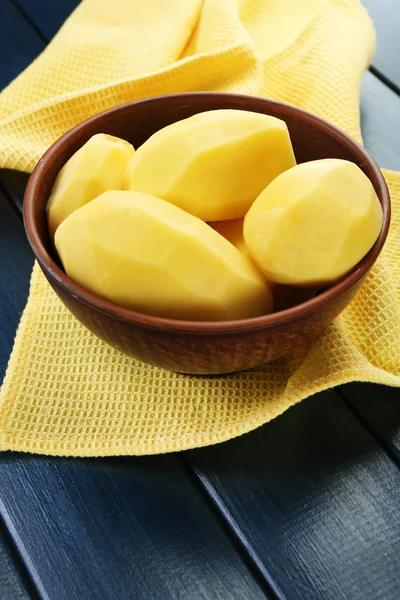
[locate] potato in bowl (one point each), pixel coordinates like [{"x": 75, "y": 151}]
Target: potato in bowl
[{"x": 205, "y": 347}]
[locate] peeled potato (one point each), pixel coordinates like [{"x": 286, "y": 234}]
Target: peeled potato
[
  {"x": 96, "y": 167},
  {"x": 284, "y": 296},
  {"x": 149, "y": 255},
  {"x": 214, "y": 164},
  {"x": 232, "y": 230},
  {"x": 313, "y": 223}
]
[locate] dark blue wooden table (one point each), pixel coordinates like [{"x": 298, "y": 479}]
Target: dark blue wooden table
[{"x": 307, "y": 507}]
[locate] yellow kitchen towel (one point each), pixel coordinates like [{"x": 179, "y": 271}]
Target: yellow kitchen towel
[{"x": 65, "y": 391}]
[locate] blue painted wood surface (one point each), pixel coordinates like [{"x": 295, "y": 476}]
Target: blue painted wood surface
[
  {"x": 386, "y": 17},
  {"x": 19, "y": 44},
  {"x": 10, "y": 586},
  {"x": 15, "y": 269},
  {"x": 306, "y": 507},
  {"x": 119, "y": 528},
  {"x": 46, "y": 16},
  {"x": 314, "y": 499},
  {"x": 381, "y": 417},
  {"x": 380, "y": 122}
]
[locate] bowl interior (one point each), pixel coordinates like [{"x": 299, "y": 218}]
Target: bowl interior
[{"x": 312, "y": 138}]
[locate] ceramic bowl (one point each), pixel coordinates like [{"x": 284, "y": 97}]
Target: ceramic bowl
[{"x": 188, "y": 346}]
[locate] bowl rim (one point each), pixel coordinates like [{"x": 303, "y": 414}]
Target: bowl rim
[{"x": 101, "y": 305}]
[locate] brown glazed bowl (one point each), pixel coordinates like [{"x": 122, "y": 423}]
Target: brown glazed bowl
[{"x": 186, "y": 346}]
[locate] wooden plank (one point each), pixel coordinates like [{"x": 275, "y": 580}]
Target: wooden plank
[
  {"x": 380, "y": 122},
  {"x": 10, "y": 585},
  {"x": 118, "y": 528},
  {"x": 13, "y": 184},
  {"x": 314, "y": 499},
  {"x": 47, "y": 16},
  {"x": 378, "y": 407},
  {"x": 19, "y": 44},
  {"x": 15, "y": 269},
  {"x": 386, "y": 17}
]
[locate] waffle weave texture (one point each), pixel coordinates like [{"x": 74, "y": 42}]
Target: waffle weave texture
[{"x": 66, "y": 392}]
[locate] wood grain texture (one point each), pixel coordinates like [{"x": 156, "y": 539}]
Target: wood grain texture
[
  {"x": 314, "y": 500},
  {"x": 380, "y": 121},
  {"x": 46, "y": 16},
  {"x": 386, "y": 17},
  {"x": 19, "y": 44},
  {"x": 378, "y": 408},
  {"x": 10, "y": 585},
  {"x": 13, "y": 184},
  {"x": 15, "y": 269},
  {"x": 118, "y": 529}
]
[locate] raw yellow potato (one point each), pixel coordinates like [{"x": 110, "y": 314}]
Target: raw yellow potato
[
  {"x": 313, "y": 223},
  {"x": 149, "y": 255},
  {"x": 96, "y": 167},
  {"x": 232, "y": 230},
  {"x": 284, "y": 296},
  {"x": 214, "y": 164}
]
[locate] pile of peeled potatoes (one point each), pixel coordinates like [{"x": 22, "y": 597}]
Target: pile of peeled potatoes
[{"x": 210, "y": 219}]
